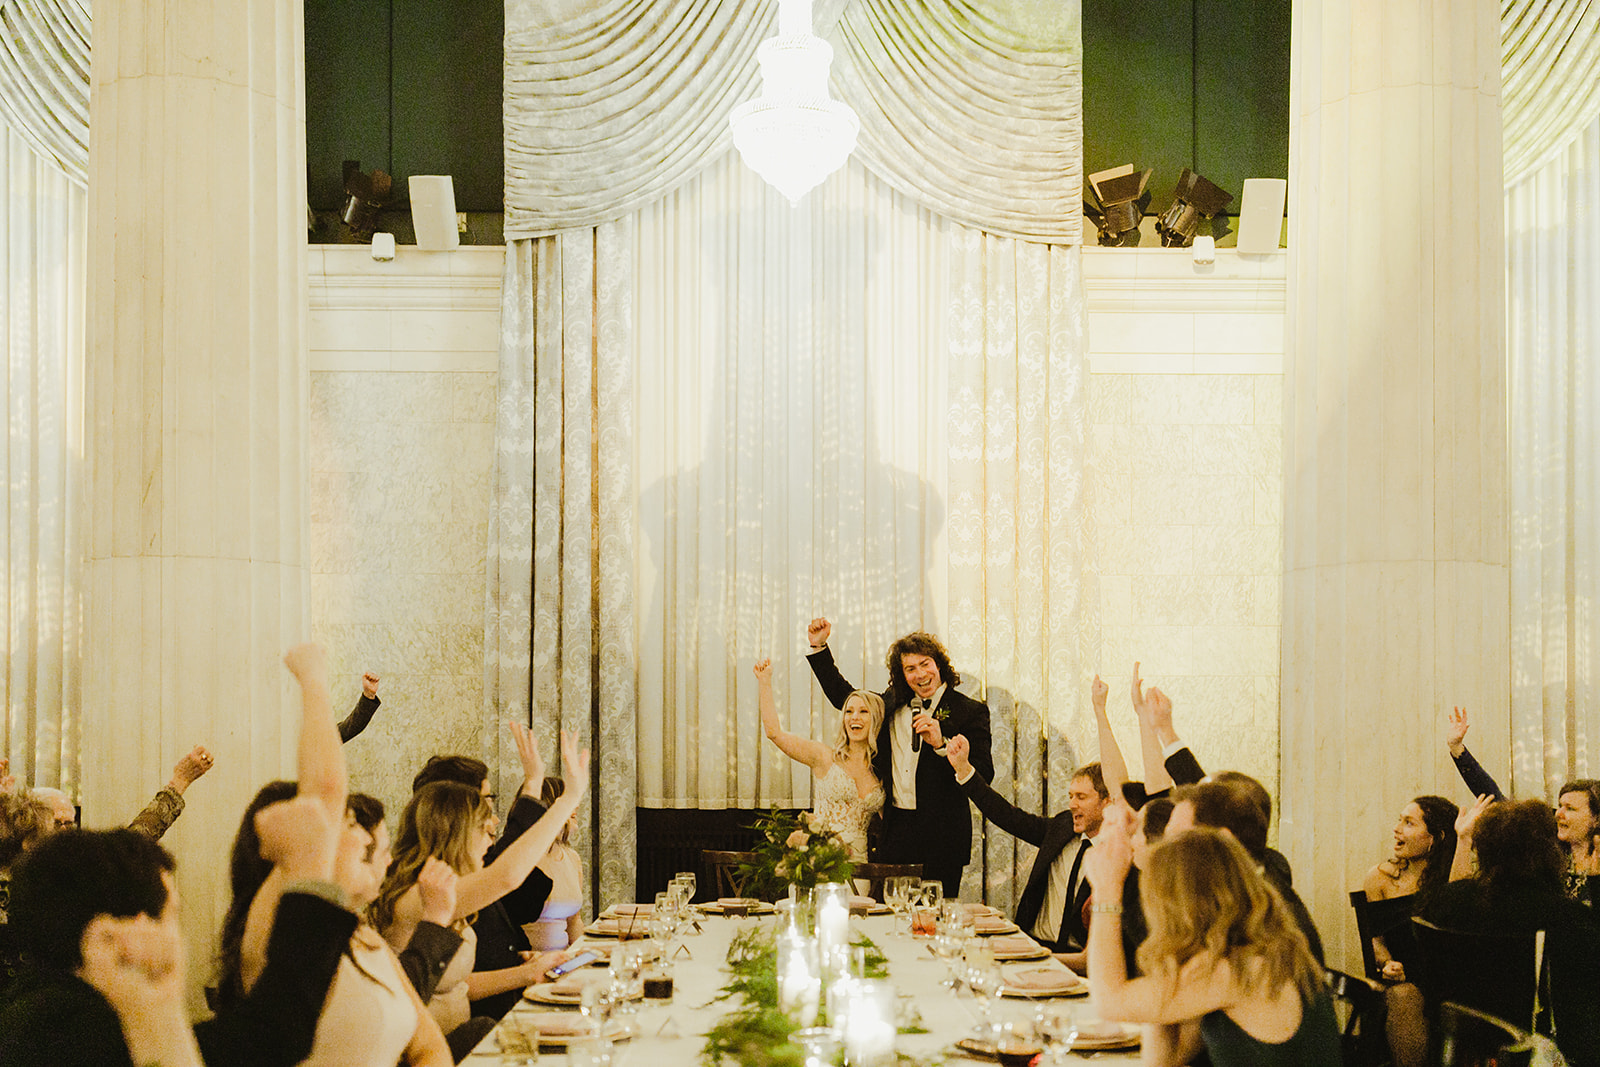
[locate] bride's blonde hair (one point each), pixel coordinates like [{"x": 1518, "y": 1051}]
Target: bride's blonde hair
[{"x": 841, "y": 739}]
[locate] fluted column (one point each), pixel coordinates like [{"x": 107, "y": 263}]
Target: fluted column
[
  {"x": 196, "y": 393},
  {"x": 1395, "y": 589}
]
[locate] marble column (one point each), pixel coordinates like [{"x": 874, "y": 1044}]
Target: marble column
[
  {"x": 196, "y": 416},
  {"x": 1395, "y": 596}
]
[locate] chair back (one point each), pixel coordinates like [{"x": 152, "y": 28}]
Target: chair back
[
  {"x": 1358, "y": 1005},
  {"x": 1496, "y": 974},
  {"x": 723, "y": 870},
  {"x": 1472, "y": 1038},
  {"x": 1572, "y": 975},
  {"x": 1388, "y": 919},
  {"x": 876, "y": 874}
]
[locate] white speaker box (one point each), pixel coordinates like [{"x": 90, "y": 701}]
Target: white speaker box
[
  {"x": 1261, "y": 214},
  {"x": 433, "y": 212}
]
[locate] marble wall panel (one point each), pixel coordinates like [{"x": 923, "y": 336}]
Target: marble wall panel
[
  {"x": 402, "y": 417},
  {"x": 1186, "y": 434}
]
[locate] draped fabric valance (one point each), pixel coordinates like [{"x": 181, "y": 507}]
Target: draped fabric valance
[
  {"x": 971, "y": 108},
  {"x": 44, "y": 79},
  {"x": 1549, "y": 53}
]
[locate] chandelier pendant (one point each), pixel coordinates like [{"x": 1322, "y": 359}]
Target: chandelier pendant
[{"x": 794, "y": 135}]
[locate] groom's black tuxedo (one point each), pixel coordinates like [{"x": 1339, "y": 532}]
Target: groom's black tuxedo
[{"x": 938, "y": 833}]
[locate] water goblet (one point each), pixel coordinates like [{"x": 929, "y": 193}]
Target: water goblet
[
  {"x": 687, "y": 878},
  {"x": 985, "y": 981},
  {"x": 1057, "y": 1027},
  {"x": 594, "y": 1004}
]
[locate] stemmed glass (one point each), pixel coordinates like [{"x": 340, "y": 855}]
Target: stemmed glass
[
  {"x": 1057, "y": 1026},
  {"x": 687, "y": 880},
  {"x": 947, "y": 946},
  {"x": 983, "y": 977},
  {"x": 595, "y": 1004},
  {"x": 627, "y": 963}
]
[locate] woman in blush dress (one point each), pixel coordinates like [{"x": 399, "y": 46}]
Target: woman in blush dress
[
  {"x": 848, "y": 793},
  {"x": 561, "y": 921}
]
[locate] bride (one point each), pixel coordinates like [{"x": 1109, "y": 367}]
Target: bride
[{"x": 848, "y": 793}]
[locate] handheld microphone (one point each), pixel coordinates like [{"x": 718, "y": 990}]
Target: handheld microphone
[{"x": 916, "y": 738}]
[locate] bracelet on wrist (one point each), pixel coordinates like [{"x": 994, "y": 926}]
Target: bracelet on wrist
[{"x": 1105, "y": 909}]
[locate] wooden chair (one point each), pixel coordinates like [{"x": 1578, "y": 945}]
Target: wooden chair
[
  {"x": 722, "y": 870},
  {"x": 876, "y": 874},
  {"x": 1389, "y": 919},
  {"x": 1496, "y": 974},
  {"x": 1358, "y": 1003}
]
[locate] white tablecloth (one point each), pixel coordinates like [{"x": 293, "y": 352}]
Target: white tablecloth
[{"x": 912, "y": 970}]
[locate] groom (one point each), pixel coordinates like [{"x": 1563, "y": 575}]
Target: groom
[{"x": 926, "y": 818}]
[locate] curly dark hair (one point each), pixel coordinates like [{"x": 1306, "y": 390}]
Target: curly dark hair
[
  {"x": 917, "y": 643},
  {"x": 1439, "y": 819},
  {"x": 1516, "y": 845}
]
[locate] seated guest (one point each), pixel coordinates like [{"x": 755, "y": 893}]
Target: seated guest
[
  {"x": 1225, "y": 966},
  {"x": 433, "y": 944},
  {"x": 74, "y": 878},
  {"x": 1424, "y": 849},
  {"x": 455, "y": 823},
  {"x": 1236, "y": 808},
  {"x": 1052, "y": 903},
  {"x": 1577, "y": 812},
  {"x": 561, "y": 922},
  {"x": 500, "y": 927},
  {"x": 158, "y": 815},
  {"x": 1518, "y": 884}
]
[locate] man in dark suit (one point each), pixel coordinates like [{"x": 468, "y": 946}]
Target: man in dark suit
[
  {"x": 926, "y": 819},
  {"x": 1052, "y": 903}
]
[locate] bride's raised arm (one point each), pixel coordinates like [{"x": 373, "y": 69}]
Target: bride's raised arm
[{"x": 813, "y": 754}]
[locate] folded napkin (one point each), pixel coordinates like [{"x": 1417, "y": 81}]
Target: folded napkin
[
  {"x": 725, "y": 901},
  {"x": 1014, "y": 943},
  {"x": 859, "y": 901},
  {"x": 633, "y": 909},
  {"x": 572, "y": 985},
  {"x": 628, "y": 926},
  {"x": 990, "y": 924},
  {"x": 1042, "y": 980},
  {"x": 553, "y": 1024},
  {"x": 978, "y": 911}
]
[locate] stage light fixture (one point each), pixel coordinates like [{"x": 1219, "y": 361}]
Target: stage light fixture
[
  {"x": 1195, "y": 198},
  {"x": 365, "y": 194},
  {"x": 1118, "y": 200}
]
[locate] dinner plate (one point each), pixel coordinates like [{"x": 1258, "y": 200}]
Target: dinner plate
[
  {"x": 717, "y": 908},
  {"x": 566, "y": 1020},
  {"x": 1037, "y": 952},
  {"x": 544, "y": 994},
  {"x": 1078, "y": 988},
  {"x": 992, "y": 928},
  {"x": 612, "y": 928},
  {"x": 987, "y": 1050},
  {"x": 1100, "y": 1036}
]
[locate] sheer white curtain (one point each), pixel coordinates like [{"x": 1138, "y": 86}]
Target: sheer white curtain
[
  {"x": 43, "y": 227},
  {"x": 725, "y": 416},
  {"x": 1553, "y": 239}
]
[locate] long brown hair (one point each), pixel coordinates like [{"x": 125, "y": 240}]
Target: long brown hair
[
  {"x": 438, "y": 821},
  {"x": 1202, "y": 895}
]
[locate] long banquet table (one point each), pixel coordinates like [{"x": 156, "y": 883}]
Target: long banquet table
[{"x": 913, "y": 971}]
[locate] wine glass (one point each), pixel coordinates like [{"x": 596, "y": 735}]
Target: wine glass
[
  {"x": 688, "y": 880},
  {"x": 947, "y": 946},
  {"x": 1057, "y": 1027},
  {"x": 983, "y": 977}
]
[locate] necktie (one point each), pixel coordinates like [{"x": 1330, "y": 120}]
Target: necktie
[
  {"x": 1071, "y": 913},
  {"x": 916, "y": 738}
]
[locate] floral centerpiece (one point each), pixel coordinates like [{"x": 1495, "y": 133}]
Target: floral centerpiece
[{"x": 794, "y": 850}]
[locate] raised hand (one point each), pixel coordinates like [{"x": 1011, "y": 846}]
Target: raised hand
[
  {"x": 137, "y": 964},
  {"x": 196, "y": 763},
  {"x": 1455, "y": 731},
  {"x": 817, "y": 632},
  {"x": 308, "y": 662},
  {"x": 531, "y": 758},
  {"x": 1137, "y": 695},
  {"x": 574, "y": 764},
  {"x": 1106, "y": 866},
  {"x": 1467, "y": 821},
  {"x": 763, "y": 670},
  {"x": 436, "y": 883},
  {"x": 959, "y": 754},
  {"x": 1097, "y": 693},
  {"x": 369, "y": 685},
  {"x": 1159, "y": 707}
]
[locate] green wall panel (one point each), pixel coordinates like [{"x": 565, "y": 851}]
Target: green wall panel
[
  {"x": 1138, "y": 88},
  {"x": 347, "y": 93},
  {"x": 1242, "y": 91}
]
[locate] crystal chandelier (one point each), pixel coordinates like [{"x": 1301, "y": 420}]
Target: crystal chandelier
[{"x": 793, "y": 134}]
